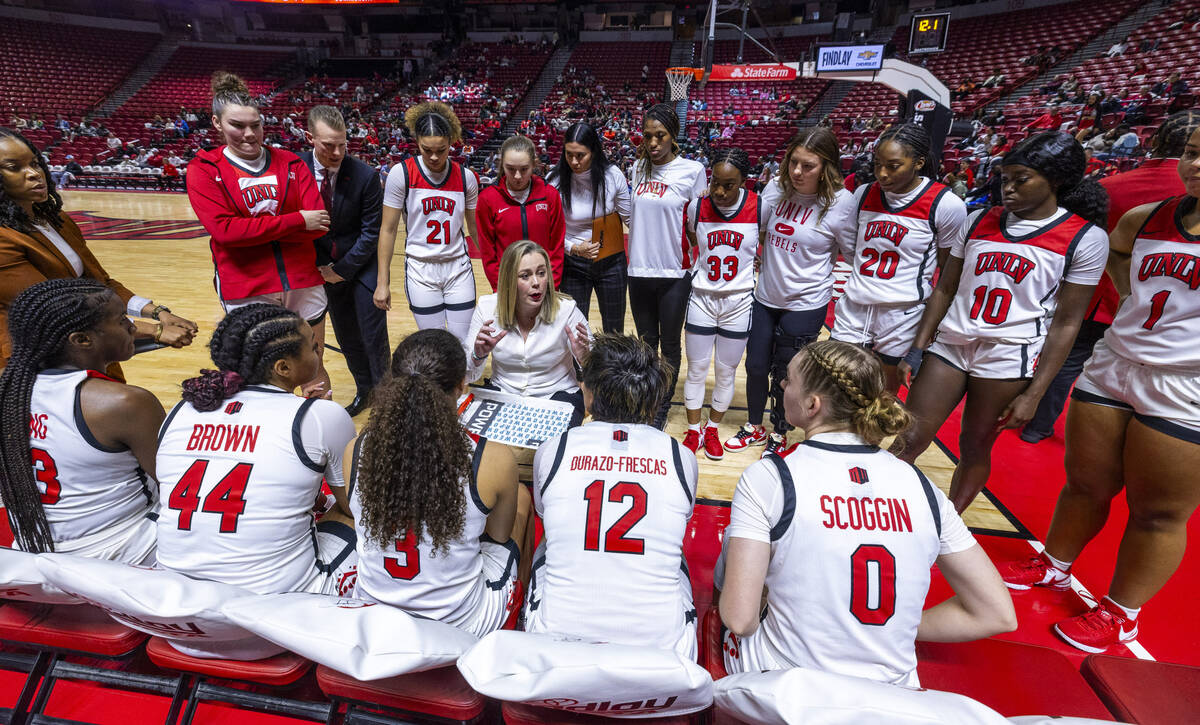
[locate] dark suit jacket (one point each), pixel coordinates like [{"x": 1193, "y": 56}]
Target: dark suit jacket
[{"x": 353, "y": 237}]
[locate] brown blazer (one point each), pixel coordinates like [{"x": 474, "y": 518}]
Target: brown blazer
[{"x": 26, "y": 259}]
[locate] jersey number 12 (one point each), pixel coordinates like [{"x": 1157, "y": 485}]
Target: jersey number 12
[{"x": 615, "y": 539}]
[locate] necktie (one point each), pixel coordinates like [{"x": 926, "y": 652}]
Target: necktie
[{"x": 327, "y": 191}]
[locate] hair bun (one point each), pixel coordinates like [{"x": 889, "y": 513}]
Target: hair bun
[
  {"x": 225, "y": 82},
  {"x": 207, "y": 391}
]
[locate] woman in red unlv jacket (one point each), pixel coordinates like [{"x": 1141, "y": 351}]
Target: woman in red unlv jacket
[
  {"x": 263, "y": 210},
  {"x": 519, "y": 206}
]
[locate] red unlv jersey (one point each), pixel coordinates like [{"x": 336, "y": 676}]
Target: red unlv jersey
[
  {"x": 1012, "y": 271},
  {"x": 434, "y": 213},
  {"x": 727, "y": 244},
  {"x": 1159, "y": 322}
]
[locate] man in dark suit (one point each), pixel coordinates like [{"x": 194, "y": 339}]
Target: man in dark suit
[{"x": 353, "y": 197}]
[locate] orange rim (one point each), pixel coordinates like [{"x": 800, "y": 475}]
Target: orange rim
[{"x": 695, "y": 73}]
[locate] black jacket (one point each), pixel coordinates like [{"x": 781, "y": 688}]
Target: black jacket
[{"x": 353, "y": 238}]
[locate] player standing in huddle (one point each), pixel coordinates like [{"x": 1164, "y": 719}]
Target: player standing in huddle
[
  {"x": 807, "y": 217},
  {"x": 609, "y": 489},
  {"x": 1134, "y": 422},
  {"x": 90, "y": 489},
  {"x": 241, "y": 459},
  {"x": 437, "y": 533},
  {"x": 843, "y": 535},
  {"x": 263, "y": 210},
  {"x": 436, "y": 197},
  {"x": 907, "y": 224},
  {"x": 663, "y": 182},
  {"x": 1024, "y": 267},
  {"x": 723, "y": 228}
]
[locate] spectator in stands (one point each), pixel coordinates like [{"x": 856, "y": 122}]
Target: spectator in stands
[
  {"x": 1051, "y": 120},
  {"x": 534, "y": 210},
  {"x": 1069, "y": 89},
  {"x": 70, "y": 173},
  {"x": 263, "y": 210},
  {"x": 995, "y": 80},
  {"x": 113, "y": 143},
  {"x": 1118, "y": 48},
  {"x": 40, "y": 241},
  {"x": 1089, "y": 117},
  {"x": 1126, "y": 142},
  {"x": 956, "y": 184},
  {"x": 595, "y": 200},
  {"x": 1173, "y": 86}
]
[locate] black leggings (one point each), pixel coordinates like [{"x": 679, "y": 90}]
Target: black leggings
[
  {"x": 607, "y": 278},
  {"x": 659, "y": 305},
  {"x": 775, "y": 337}
]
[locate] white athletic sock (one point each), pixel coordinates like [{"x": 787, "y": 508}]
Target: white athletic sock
[
  {"x": 694, "y": 426},
  {"x": 1130, "y": 614},
  {"x": 1063, "y": 566},
  {"x": 711, "y": 424}
]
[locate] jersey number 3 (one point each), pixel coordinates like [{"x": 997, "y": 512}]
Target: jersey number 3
[
  {"x": 225, "y": 498},
  {"x": 872, "y": 572},
  {"x": 412, "y": 559},
  {"x": 614, "y": 539},
  {"x": 46, "y": 473}
]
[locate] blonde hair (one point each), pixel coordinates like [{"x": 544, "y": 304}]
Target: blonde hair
[
  {"x": 824, "y": 144},
  {"x": 433, "y": 119},
  {"x": 328, "y": 115},
  {"x": 229, "y": 89},
  {"x": 506, "y": 285},
  {"x": 850, "y": 381},
  {"x": 519, "y": 144}
]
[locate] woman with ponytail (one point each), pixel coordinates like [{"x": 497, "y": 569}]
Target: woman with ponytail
[
  {"x": 263, "y": 210},
  {"x": 436, "y": 198},
  {"x": 1008, "y": 305},
  {"x": 663, "y": 182},
  {"x": 91, "y": 439},
  {"x": 241, "y": 460},
  {"x": 440, "y": 532},
  {"x": 906, "y": 225},
  {"x": 843, "y": 535}
]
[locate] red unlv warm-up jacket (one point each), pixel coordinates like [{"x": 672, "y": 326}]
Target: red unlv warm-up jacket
[
  {"x": 259, "y": 243},
  {"x": 500, "y": 221}
]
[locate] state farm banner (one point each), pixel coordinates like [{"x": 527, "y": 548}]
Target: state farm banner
[{"x": 755, "y": 72}]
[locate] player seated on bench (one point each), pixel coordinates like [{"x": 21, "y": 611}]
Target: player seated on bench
[
  {"x": 843, "y": 535},
  {"x": 91, "y": 438},
  {"x": 241, "y": 459},
  {"x": 615, "y": 496},
  {"x": 439, "y": 514},
  {"x": 534, "y": 334}
]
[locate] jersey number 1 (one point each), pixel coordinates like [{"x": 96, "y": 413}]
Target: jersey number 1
[
  {"x": 614, "y": 539},
  {"x": 225, "y": 498},
  {"x": 872, "y": 569},
  {"x": 1157, "y": 303}
]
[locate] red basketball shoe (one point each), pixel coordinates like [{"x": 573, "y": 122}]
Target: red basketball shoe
[
  {"x": 1098, "y": 628},
  {"x": 712, "y": 444},
  {"x": 691, "y": 440}
]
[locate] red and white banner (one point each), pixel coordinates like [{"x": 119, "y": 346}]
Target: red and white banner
[{"x": 755, "y": 72}]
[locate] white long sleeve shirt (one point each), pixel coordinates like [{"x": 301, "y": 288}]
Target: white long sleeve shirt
[{"x": 539, "y": 364}]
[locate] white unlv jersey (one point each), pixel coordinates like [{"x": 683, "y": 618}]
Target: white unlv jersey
[
  {"x": 1158, "y": 324},
  {"x": 853, "y": 532},
  {"x": 85, "y": 487},
  {"x": 727, "y": 244},
  {"x": 434, "y": 214},
  {"x": 238, "y": 488},
  {"x": 615, "y": 500},
  {"x": 895, "y": 251},
  {"x": 1008, "y": 290},
  {"x": 407, "y": 574},
  {"x": 800, "y": 246}
]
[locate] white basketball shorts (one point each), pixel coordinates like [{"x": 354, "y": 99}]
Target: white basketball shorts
[
  {"x": 309, "y": 302},
  {"x": 989, "y": 359},
  {"x": 888, "y": 330},
  {"x": 724, "y": 315},
  {"x": 434, "y": 287}
]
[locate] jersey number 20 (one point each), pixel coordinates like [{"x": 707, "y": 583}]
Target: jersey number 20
[
  {"x": 872, "y": 570},
  {"x": 225, "y": 498},
  {"x": 615, "y": 539}
]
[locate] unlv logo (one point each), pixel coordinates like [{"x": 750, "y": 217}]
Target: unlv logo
[
  {"x": 890, "y": 231},
  {"x": 233, "y": 408},
  {"x": 431, "y": 204},
  {"x": 1183, "y": 267},
  {"x": 620, "y": 436},
  {"x": 858, "y": 475},
  {"x": 1007, "y": 263},
  {"x": 725, "y": 237},
  {"x": 657, "y": 188}
]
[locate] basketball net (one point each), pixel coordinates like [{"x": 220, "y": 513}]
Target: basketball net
[{"x": 678, "y": 80}]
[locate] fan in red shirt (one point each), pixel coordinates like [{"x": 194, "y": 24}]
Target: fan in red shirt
[
  {"x": 263, "y": 210},
  {"x": 519, "y": 206}
]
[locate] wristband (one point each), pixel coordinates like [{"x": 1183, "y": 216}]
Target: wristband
[
  {"x": 158, "y": 333},
  {"x": 158, "y": 310},
  {"x": 915, "y": 349}
]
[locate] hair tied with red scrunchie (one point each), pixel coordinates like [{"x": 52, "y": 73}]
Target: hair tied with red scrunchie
[{"x": 207, "y": 391}]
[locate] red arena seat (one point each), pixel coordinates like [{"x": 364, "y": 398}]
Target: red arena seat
[
  {"x": 1016, "y": 677},
  {"x": 1144, "y": 691},
  {"x": 66, "y": 628},
  {"x": 518, "y": 714},
  {"x": 440, "y": 694}
]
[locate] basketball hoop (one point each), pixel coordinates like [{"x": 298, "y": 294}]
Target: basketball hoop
[{"x": 678, "y": 80}]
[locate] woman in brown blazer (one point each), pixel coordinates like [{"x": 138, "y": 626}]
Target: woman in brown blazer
[{"x": 38, "y": 241}]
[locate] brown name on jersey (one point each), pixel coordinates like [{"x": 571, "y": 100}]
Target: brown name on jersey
[{"x": 223, "y": 437}]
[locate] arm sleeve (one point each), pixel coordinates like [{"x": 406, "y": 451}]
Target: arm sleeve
[
  {"x": 472, "y": 188},
  {"x": 757, "y": 503},
  {"x": 325, "y": 432},
  {"x": 395, "y": 189},
  {"x": 487, "y": 232},
  {"x": 950, "y": 219},
  {"x": 955, "y": 535},
  {"x": 474, "y": 368},
  {"x": 621, "y": 199},
  {"x": 959, "y": 247},
  {"x": 226, "y": 225},
  {"x": 370, "y": 215},
  {"x": 1091, "y": 254}
]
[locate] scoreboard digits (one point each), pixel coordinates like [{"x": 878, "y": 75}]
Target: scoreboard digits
[{"x": 928, "y": 32}]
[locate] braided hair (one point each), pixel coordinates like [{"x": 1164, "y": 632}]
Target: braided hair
[
  {"x": 914, "y": 138},
  {"x": 850, "y": 382},
  {"x": 1059, "y": 157},
  {"x": 1173, "y": 134},
  {"x": 735, "y": 157},
  {"x": 40, "y": 320},
  {"x": 433, "y": 119},
  {"x": 665, "y": 114},
  {"x": 244, "y": 347},
  {"x": 12, "y": 215},
  {"x": 628, "y": 379},
  {"x": 406, "y": 494}
]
